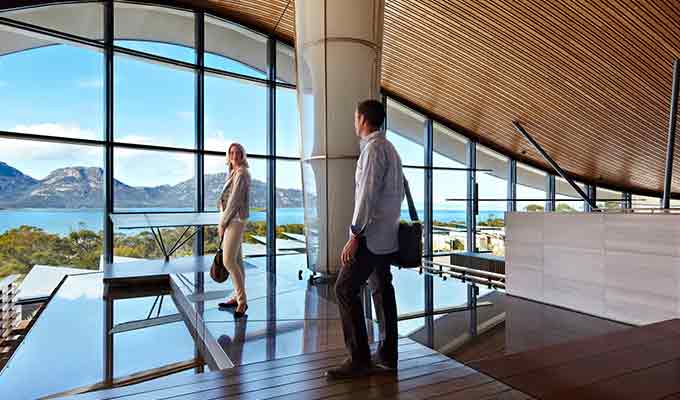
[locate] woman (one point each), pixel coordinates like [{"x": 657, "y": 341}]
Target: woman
[{"x": 234, "y": 204}]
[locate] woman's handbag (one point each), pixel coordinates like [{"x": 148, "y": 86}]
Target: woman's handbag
[
  {"x": 410, "y": 254},
  {"x": 217, "y": 270}
]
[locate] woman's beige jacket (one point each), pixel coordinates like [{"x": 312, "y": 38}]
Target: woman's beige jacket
[{"x": 234, "y": 201}]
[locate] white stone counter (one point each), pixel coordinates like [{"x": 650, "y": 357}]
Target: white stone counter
[{"x": 625, "y": 267}]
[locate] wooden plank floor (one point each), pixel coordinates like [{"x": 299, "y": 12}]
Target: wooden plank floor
[
  {"x": 423, "y": 373},
  {"x": 636, "y": 363}
]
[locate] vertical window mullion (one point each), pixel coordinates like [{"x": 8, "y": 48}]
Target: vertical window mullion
[
  {"x": 108, "y": 174},
  {"x": 271, "y": 152},
  {"x": 472, "y": 196},
  {"x": 550, "y": 193},
  {"x": 200, "y": 127},
  {"x": 428, "y": 249},
  {"x": 512, "y": 185},
  {"x": 108, "y": 124}
]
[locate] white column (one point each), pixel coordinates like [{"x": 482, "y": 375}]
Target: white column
[{"x": 339, "y": 46}]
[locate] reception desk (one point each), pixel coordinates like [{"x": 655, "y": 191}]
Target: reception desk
[{"x": 625, "y": 267}]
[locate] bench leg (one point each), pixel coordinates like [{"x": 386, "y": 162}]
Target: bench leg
[{"x": 472, "y": 292}]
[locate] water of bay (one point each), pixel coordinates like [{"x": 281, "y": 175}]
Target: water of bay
[{"x": 62, "y": 221}]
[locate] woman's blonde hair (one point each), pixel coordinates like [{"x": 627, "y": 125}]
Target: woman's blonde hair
[{"x": 243, "y": 155}]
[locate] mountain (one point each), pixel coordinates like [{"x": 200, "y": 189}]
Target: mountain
[
  {"x": 13, "y": 181},
  {"x": 80, "y": 187}
]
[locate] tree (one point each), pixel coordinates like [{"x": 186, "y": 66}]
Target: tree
[
  {"x": 564, "y": 207},
  {"x": 534, "y": 208}
]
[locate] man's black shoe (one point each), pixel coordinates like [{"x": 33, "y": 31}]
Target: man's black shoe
[
  {"x": 348, "y": 370},
  {"x": 380, "y": 365}
]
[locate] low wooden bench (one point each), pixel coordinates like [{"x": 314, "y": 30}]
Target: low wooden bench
[{"x": 481, "y": 261}]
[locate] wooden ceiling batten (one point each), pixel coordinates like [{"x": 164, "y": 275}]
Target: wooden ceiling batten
[
  {"x": 388, "y": 63},
  {"x": 590, "y": 80}
]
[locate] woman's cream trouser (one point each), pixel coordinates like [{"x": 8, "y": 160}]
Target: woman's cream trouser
[{"x": 233, "y": 260}]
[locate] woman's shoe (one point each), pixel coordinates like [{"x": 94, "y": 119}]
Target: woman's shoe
[
  {"x": 229, "y": 304},
  {"x": 241, "y": 314}
]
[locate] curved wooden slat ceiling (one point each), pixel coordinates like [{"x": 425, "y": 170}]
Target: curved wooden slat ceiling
[{"x": 590, "y": 80}]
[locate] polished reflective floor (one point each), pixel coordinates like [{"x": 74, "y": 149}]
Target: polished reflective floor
[{"x": 180, "y": 329}]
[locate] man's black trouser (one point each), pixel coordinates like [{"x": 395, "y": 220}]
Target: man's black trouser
[{"x": 376, "y": 269}]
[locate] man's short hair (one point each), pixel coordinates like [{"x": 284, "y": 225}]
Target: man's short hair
[{"x": 373, "y": 111}]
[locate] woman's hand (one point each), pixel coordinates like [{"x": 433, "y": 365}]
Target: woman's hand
[{"x": 220, "y": 231}]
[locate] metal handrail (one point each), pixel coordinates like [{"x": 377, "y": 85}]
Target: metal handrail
[
  {"x": 8, "y": 291},
  {"x": 640, "y": 211},
  {"x": 466, "y": 270},
  {"x": 464, "y": 274}
]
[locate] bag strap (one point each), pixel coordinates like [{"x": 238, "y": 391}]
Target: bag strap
[
  {"x": 411, "y": 207},
  {"x": 221, "y": 239}
]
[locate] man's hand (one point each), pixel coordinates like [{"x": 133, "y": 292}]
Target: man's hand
[{"x": 349, "y": 251}]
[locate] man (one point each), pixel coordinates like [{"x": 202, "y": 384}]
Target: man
[{"x": 373, "y": 240}]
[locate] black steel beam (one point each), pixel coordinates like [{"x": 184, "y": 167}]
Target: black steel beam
[
  {"x": 553, "y": 164},
  {"x": 672, "y": 118}
]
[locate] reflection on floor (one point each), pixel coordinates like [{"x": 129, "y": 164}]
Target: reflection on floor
[
  {"x": 634, "y": 363},
  {"x": 510, "y": 325},
  {"x": 286, "y": 316}
]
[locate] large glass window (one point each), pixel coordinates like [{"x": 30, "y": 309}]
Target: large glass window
[
  {"x": 146, "y": 28},
  {"x": 285, "y": 63},
  {"x": 492, "y": 186},
  {"x": 153, "y": 103},
  {"x": 235, "y": 111},
  {"x": 531, "y": 185},
  {"x": 49, "y": 87},
  {"x": 406, "y": 131},
  {"x": 80, "y": 19},
  {"x": 233, "y": 48},
  {"x": 51, "y": 205},
  {"x": 153, "y": 180},
  {"x": 566, "y": 198},
  {"x": 290, "y": 234},
  {"x": 416, "y": 183},
  {"x": 609, "y": 199},
  {"x": 646, "y": 202},
  {"x": 287, "y": 123},
  {"x": 449, "y": 202}
]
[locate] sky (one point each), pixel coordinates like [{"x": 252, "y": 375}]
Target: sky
[{"x": 58, "y": 90}]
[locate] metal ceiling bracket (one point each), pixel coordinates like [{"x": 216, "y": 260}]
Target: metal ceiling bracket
[
  {"x": 553, "y": 164},
  {"x": 671, "y": 137}
]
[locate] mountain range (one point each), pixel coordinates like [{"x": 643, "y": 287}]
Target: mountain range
[{"x": 82, "y": 187}]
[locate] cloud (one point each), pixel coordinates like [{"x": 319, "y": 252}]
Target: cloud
[
  {"x": 57, "y": 129},
  {"x": 214, "y": 165},
  {"x": 151, "y": 168},
  {"x": 91, "y": 83},
  {"x": 38, "y": 159},
  {"x": 218, "y": 141}
]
